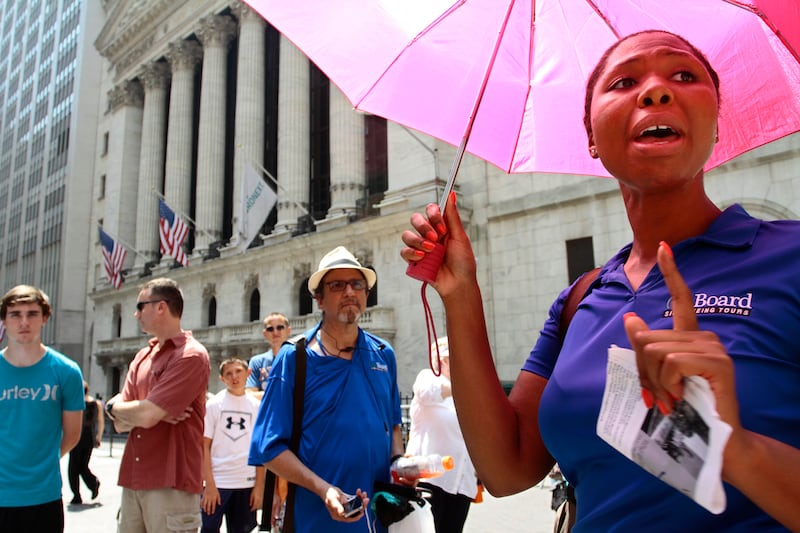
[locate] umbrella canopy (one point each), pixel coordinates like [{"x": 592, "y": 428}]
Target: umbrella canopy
[{"x": 424, "y": 64}]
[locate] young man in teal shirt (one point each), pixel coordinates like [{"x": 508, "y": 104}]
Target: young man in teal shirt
[{"x": 41, "y": 398}]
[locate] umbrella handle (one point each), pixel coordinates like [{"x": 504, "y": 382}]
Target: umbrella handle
[{"x": 426, "y": 268}]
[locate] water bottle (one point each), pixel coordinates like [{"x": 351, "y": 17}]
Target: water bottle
[{"x": 421, "y": 466}]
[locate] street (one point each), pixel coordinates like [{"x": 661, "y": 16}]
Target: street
[{"x": 527, "y": 512}]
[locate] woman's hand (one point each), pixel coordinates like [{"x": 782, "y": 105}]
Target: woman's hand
[
  {"x": 665, "y": 357},
  {"x": 458, "y": 265}
]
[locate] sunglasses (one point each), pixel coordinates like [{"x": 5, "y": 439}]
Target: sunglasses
[
  {"x": 270, "y": 329},
  {"x": 140, "y": 305},
  {"x": 339, "y": 285}
]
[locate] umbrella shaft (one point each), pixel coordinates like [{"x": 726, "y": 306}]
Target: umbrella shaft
[{"x": 451, "y": 179}]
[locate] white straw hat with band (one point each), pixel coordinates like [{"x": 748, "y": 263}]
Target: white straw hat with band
[{"x": 339, "y": 257}]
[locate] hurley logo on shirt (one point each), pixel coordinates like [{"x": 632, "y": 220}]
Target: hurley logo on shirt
[
  {"x": 42, "y": 394},
  {"x": 710, "y": 304}
]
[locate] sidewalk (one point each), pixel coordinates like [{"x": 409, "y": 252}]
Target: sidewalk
[{"x": 527, "y": 512}]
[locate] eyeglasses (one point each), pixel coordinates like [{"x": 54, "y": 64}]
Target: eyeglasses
[
  {"x": 279, "y": 327},
  {"x": 338, "y": 285},
  {"x": 140, "y": 305}
]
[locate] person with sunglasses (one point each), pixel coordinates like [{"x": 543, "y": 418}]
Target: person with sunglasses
[
  {"x": 350, "y": 428},
  {"x": 276, "y": 331},
  {"x": 162, "y": 406}
]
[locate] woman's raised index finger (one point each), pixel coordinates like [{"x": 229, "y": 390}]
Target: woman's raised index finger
[{"x": 683, "y": 315}]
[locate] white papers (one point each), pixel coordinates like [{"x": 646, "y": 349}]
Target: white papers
[{"x": 684, "y": 449}]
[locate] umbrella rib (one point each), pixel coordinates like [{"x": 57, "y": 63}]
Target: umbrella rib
[
  {"x": 603, "y": 18},
  {"x": 760, "y": 14}
]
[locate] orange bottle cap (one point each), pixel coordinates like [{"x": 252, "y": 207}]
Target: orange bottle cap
[{"x": 447, "y": 462}]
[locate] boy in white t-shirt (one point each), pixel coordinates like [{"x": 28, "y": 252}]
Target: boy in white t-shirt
[{"x": 232, "y": 487}]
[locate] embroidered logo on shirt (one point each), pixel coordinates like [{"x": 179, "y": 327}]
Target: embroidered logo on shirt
[
  {"x": 710, "y": 304},
  {"x": 380, "y": 367}
]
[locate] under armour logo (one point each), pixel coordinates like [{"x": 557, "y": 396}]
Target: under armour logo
[{"x": 240, "y": 423}]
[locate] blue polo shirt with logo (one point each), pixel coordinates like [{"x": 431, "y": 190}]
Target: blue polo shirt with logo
[
  {"x": 349, "y": 413},
  {"x": 745, "y": 277}
]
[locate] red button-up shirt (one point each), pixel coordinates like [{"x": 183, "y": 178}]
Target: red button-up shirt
[{"x": 173, "y": 378}]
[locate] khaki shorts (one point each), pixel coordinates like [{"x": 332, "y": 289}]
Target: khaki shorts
[{"x": 158, "y": 511}]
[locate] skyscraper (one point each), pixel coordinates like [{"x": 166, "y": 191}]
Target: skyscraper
[{"x": 49, "y": 86}]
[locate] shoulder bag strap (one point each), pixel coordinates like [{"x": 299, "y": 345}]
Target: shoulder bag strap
[
  {"x": 297, "y": 420},
  {"x": 576, "y": 294},
  {"x": 294, "y": 445}
]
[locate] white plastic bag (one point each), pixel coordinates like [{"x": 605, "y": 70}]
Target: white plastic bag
[{"x": 418, "y": 521}]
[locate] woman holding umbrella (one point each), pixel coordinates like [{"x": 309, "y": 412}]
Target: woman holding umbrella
[{"x": 652, "y": 106}]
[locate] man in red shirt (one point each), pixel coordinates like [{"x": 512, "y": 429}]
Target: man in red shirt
[{"x": 162, "y": 406}]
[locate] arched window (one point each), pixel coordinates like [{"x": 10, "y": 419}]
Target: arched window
[
  {"x": 117, "y": 321},
  {"x": 372, "y": 297},
  {"x": 305, "y": 299},
  {"x": 255, "y": 305},
  {"x": 212, "y": 311}
]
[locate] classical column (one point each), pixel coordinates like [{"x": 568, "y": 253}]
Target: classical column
[
  {"x": 294, "y": 128},
  {"x": 250, "y": 107},
  {"x": 183, "y": 56},
  {"x": 122, "y": 171},
  {"x": 215, "y": 33},
  {"x": 155, "y": 78},
  {"x": 348, "y": 169}
]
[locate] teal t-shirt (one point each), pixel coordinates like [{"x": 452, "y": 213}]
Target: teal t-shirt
[{"x": 32, "y": 400}]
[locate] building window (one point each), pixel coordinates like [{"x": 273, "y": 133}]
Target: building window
[
  {"x": 212, "y": 312},
  {"x": 102, "y": 187},
  {"x": 580, "y": 257},
  {"x": 376, "y": 150},
  {"x": 105, "y": 144},
  {"x": 320, "y": 200},
  {"x": 305, "y": 299},
  {"x": 372, "y": 297},
  {"x": 116, "y": 320},
  {"x": 255, "y": 305}
]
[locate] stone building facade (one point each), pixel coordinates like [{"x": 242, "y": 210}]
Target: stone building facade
[{"x": 196, "y": 90}]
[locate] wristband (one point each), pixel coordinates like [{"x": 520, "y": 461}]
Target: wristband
[{"x": 394, "y": 458}]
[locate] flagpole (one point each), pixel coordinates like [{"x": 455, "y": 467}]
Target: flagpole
[{"x": 278, "y": 185}]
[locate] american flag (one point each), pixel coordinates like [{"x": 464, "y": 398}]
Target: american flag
[
  {"x": 113, "y": 258},
  {"x": 172, "y": 231}
]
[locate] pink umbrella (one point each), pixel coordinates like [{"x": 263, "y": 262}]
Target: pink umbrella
[{"x": 506, "y": 78}]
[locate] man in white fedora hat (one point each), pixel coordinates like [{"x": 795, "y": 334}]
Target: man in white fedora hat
[{"x": 350, "y": 429}]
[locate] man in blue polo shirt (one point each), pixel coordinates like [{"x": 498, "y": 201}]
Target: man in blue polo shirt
[
  {"x": 351, "y": 418},
  {"x": 276, "y": 331}
]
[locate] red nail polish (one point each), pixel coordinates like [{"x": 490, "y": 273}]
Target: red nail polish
[
  {"x": 428, "y": 245},
  {"x": 666, "y": 248},
  {"x": 627, "y": 315},
  {"x": 647, "y": 396},
  {"x": 432, "y": 236},
  {"x": 662, "y": 408},
  {"x": 441, "y": 228}
]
